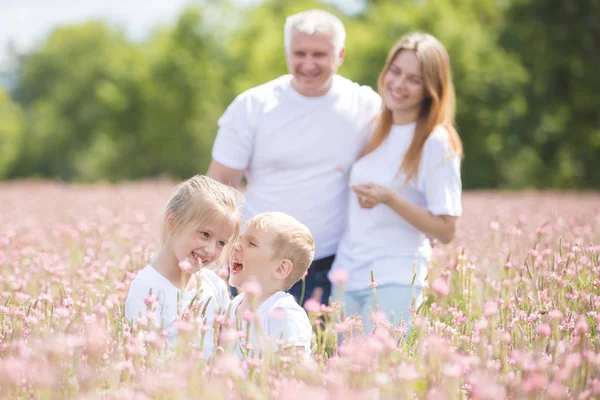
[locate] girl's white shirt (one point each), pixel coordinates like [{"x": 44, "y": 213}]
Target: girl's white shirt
[{"x": 212, "y": 289}]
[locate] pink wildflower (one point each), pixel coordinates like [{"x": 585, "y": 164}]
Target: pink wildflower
[
  {"x": 249, "y": 316},
  {"x": 185, "y": 266},
  {"x": 582, "y": 327},
  {"x": 556, "y": 390},
  {"x": 441, "y": 287},
  {"x": 490, "y": 308},
  {"x": 339, "y": 276},
  {"x": 543, "y": 330},
  {"x": 312, "y": 305},
  {"x": 252, "y": 288}
]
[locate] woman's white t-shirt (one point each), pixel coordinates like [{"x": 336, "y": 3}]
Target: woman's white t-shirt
[
  {"x": 167, "y": 310},
  {"x": 378, "y": 239},
  {"x": 282, "y": 324}
]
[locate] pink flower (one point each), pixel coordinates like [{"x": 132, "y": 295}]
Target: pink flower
[
  {"x": 378, "y": 317},
  {"x": 278, "y": 314},
  {"x": 441, "y": 287},
  {"x": 183, "y": 326},
  {"x": 556, "y": 314},
  {"x": 490, "y": 308},
  {"x": 341, "y": 169},
  {"x": 437, "y": 394},
  {"x": 407, "y": 373},
  {"x": 481, "y": 325},
  {"x": 556, "y": 390},
  {"x": 249, "y": 316},
  {"x": 452, "y": 370},
  {"x": 252, "y": 288},
  {"x": 229, "y": 335},
  {"x": 312, "y": 305},
  {"x": 582, "y": 327},
  {"x": 185, "y": 266},
  {"x": 543, "y": 330},
  {"x": 339, "y": 276},
  {"x": 223, "y": 272},
  {"x": 534, "y": 383}
]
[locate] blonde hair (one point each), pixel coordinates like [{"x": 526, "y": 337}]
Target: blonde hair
[
  {"x": 202, "y": 200},
  {"x": 438, "y": 107},
  {"x": 292, "y": 241}
]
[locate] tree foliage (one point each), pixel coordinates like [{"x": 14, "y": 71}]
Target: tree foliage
[{"x": 90, "y": 104}]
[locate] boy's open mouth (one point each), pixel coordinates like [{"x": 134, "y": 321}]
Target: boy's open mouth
[{"x": 236, "y": 267}]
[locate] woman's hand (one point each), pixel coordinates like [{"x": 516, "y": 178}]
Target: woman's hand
[
  {"x": 370, "y": 194},
  {"x": 441, "y": 227}
]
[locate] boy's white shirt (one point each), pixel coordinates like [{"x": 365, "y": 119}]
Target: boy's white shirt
[
  {"x": 282, "y": 324},
  {"x": 211, "y": 288}
]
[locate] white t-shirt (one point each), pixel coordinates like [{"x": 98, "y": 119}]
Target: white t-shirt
[
  {"x": 167, "y": 310},
  {"x": 282, "y": 324},
  {"x": 379, "y": 239},
  {"x": 289, "y": 145}
]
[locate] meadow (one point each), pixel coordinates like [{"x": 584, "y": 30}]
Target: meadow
[{"x": 511, "y": 310}]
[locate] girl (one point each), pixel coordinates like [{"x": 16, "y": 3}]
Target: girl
[
  {"x": 199, "y": 222},
  {"x": 407, "y": 183}
]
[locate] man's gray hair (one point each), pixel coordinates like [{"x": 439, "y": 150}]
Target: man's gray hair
[{"x": 312, "y": 22}]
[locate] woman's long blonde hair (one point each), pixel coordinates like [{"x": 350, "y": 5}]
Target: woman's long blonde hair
[{"x": 438, "y": 107}]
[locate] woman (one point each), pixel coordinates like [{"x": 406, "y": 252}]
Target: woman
[{"x": 406, "y": 184}]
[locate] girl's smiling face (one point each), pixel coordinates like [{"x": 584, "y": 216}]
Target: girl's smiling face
[{"x": 201, "y": 243}]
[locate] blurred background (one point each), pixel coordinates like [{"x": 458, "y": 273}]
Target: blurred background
[{"x": 109, "y": 91}]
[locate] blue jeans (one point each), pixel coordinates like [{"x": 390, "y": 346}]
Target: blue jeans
[
  {"x": 316, "y": 278},
  {"x": 393, "y": 299}
]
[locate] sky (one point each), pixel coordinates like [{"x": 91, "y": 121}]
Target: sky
[{"x": 27, "y": 22}]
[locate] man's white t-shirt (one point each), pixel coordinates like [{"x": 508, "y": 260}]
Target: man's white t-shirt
[
  {"x": 378, "y": 239},
  {"x": 167, "y": 310},
  {"x": 282, "y": 323},
  {"x": 290, "y": 147}
]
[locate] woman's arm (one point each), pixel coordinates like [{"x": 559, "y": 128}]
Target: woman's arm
[{"x": 441, "y": 227}]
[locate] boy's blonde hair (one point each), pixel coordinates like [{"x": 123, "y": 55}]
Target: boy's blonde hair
[
  {"x": 201, "y": 200},
  {"x": 292, "y": 240}
]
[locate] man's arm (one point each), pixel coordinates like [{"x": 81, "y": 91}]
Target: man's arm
[{"x": 225, "y": 175}]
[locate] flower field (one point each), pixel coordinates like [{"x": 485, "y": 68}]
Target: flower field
[{"x": 511, "y": 311}]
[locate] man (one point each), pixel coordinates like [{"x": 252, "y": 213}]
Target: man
[{"x": 291, "y": 136}]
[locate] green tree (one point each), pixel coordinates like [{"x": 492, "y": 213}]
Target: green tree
[
  {"x": 69, "y": 88},
  {"x": 11, "y": 132},
  {"x": 558, "y": 42},
  {"x": 488, "y": 80},
  {"x": 171, "y": 129}
]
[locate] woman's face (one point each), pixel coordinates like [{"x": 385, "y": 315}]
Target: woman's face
[{"x": 404, "y": 89}]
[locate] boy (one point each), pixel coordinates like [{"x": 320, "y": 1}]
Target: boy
[{"x": 274, "y": 252}]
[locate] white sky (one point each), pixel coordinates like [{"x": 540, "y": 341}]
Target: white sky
[{"x": 26, "y": 22}]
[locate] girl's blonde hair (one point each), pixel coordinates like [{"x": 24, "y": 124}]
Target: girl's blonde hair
[
  {"x": 201, "y": 200},
  {"x": 438, "y": 106}
]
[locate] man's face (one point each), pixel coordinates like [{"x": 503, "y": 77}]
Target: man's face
[{"x": 312, "y": 61}]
